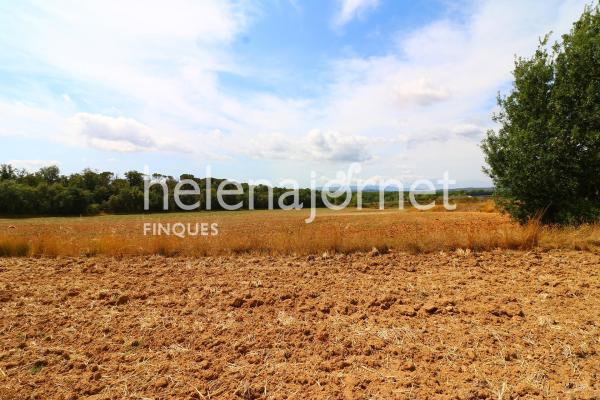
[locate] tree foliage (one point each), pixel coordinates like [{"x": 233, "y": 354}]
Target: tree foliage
[
  {"x": 545, "y": 156},
  {"x": 47, "y": 192}
]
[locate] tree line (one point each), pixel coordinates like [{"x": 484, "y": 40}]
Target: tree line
[{"x": 48, "y": 192}]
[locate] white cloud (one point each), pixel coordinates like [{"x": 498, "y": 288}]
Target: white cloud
[
  {"x": 334, "y": 146},
  {"x": 350, "y": 9},
  {"x": 120, "y": 134},
  {"x": 115, "y": 134},
  {"x": 419, "y": 92},
  {"x": 316, "y": 145},
  {"x": 123, "y": 134}
]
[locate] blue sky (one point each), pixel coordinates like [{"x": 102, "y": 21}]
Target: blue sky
[{"x": 269, "y": 89}]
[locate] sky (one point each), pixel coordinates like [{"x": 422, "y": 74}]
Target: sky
[{"x": 262, "y": 89}]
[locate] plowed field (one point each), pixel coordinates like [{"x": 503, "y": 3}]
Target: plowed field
[{"x": 489, "y": 325}]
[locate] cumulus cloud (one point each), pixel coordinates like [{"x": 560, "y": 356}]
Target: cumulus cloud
[
  {"x": 350, "y": 9},
  {"x": 115, "y": 134},
  {"x": 334, "y": 146},
  {"x": 125, "y": 135},
  {"x": 316, "y": 145}
]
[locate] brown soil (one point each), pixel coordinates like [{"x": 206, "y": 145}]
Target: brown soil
[{"x": 497, "y": 325}]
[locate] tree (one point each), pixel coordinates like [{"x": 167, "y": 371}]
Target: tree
[
  {"x": 545, "y": 156},
  {"x": 7, "y": 172},
  {"x": 135, "y": 179},
  {"x": 49, "y": 174}
]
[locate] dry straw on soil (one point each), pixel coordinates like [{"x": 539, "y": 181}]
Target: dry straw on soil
[{"x": 284, "y": 232}]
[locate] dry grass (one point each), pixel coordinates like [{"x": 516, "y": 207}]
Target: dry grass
[
  {"x": 284, "y": 232},
  {"x": 586, "y": 237},
  {"x": 14, "y": 247}
]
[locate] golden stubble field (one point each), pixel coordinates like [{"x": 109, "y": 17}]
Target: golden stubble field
[{"x": 285, "y": 233}]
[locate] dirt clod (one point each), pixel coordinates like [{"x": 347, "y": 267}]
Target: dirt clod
[
  {"x": 430, "y": 308},
  {"x": 161, "y": 382},
  {"x": 237, "y": 303},
  {"x": 123, "y": 299},
  {"x": 408, "y": 366}
]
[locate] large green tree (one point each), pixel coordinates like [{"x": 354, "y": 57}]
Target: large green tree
[{"x": 545, "y": 156}]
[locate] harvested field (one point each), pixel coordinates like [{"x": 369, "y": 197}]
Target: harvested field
[
  {"x": 455, "y": 325},
  {"x": 280, "y": 232}
]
